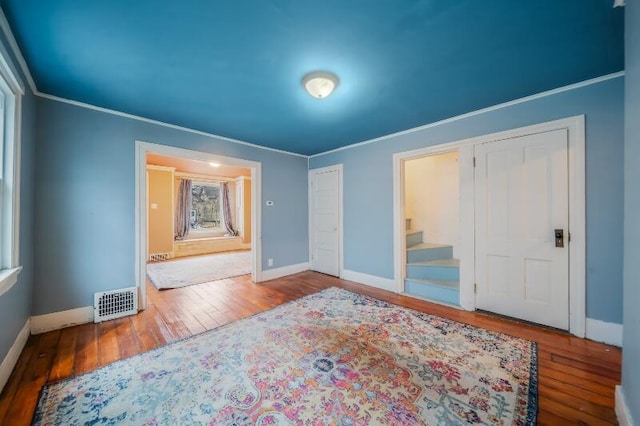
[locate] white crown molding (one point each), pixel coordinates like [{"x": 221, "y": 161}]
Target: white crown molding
[
  {"x": 58, "y": 320},
  {"x": 478, "y": 112},
  {"x": 6, "y": 29},
  {"x": 161, "y": 168},
  {"x": 11, "y": 359},
  {"x": 161, "y": 123},
  {"x": 4, "y": 24},
  {"x": 206, "y": 178}
]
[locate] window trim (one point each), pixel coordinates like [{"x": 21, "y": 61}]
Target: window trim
[
  {"x": 10, "y": 223},
  {"x": 8, "y": 277}
]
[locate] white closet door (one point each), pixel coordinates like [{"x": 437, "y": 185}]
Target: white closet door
[
  {"x": 325, "y": 217},
  {"x": 521, "y": 200}
]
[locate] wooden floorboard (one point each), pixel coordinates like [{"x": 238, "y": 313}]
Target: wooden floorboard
[{"x": 576, "y": 376}]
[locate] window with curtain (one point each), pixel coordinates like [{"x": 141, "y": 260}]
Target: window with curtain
[{"x": 206, "y": 207}]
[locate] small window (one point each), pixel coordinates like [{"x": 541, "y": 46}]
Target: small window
[
  {"x": 11, "y": 90},
  {"x": 206, "y": 207}
]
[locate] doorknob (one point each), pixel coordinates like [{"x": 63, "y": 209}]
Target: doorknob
[{"x": 559, "y": 233}]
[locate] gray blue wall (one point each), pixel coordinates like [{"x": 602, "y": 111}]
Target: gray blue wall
[
  {"x": 631, "y": 337},
  {"x": 368, "y": 179},
  {"x": 15, "y": 305},
  {"x": 84, "y": 201}
]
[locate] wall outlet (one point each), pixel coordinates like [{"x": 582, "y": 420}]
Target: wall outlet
[{"x": 269, "y": 262}]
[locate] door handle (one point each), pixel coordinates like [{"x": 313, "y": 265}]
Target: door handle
[{"x": 559, "y": 234}]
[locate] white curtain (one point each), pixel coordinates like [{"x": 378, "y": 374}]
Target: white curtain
[
  {"x": 183, "y": 210},
  {"x": 226, "y": 210}
]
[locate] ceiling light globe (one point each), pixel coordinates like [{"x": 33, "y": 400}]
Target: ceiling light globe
[{"x": 320, "y": 84}]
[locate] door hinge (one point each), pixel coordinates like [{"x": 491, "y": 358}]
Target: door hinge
[
  {"x": 474, "y": 161},
  {"x": 569, "y": 236},
  {"x": 475, "y": 288}
]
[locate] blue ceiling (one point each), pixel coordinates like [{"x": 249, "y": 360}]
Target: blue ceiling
[{"x": 234, "y": 68}]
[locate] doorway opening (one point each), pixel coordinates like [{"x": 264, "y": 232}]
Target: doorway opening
[
  {"x": 432, "y": 227},
  {"x": 198, "y": 220},
  {"x": 198, "y": 217}
]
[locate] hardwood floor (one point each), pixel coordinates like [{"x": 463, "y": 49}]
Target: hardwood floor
[{"x": 576, "y": 376}]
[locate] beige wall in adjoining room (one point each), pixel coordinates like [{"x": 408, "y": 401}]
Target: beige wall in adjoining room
[
  {"x": 432, "y": 198},
  {"x": 160, "y": 209}
]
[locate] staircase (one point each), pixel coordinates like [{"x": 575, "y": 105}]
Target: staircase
[{"x": 432, "y": 272}]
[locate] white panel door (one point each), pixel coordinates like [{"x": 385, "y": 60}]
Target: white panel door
[
  {"x": 325, "y": 218},
  {"x": 521, "y": 199}
]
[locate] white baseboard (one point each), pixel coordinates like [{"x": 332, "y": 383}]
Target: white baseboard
[
  {"x": 272, "y": 274},
  {"x": 63, "y": 319},
  {"x": 11, "y": 359},
  {"x": 622, "y": 410},
  {"x": 605, "y": 332},
  {"x": 370, "y": 280}
]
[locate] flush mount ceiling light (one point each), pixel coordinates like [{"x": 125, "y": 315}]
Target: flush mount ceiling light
[
  {"x": 320, "y": 84},
  {"x": 212, "y": 164}
]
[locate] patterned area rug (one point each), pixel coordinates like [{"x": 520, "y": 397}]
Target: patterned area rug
[
  {"x": 199, "y": 269},
  {"x": 333, "y": 357}
]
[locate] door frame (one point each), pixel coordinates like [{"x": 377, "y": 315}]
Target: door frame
[
  {"x": 333, "y": 168},
  {"x": 141, "y": 151},
  {"x": 466, "y": 246},
  {"x": 575, "y": 127}
]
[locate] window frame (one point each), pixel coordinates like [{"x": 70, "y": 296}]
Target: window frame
[{"x": 13, "y": 90}]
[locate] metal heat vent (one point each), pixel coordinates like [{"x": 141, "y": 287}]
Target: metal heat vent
[
  {"x": 115, "y": 304},
  {"x": 159, "y": 257}
]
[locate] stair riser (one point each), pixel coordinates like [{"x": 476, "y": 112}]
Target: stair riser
[
  {"x": 431, "y": 292},
  {"x": 414, "y": 239},
  {"x": 423, "y": 255},
  {"x": 433, "y": 272}
]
